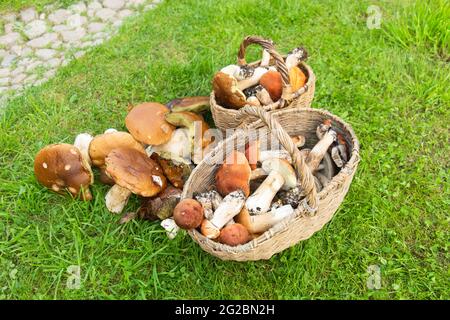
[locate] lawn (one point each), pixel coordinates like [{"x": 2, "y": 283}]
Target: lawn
[
  {"x": 391, "y": 84},
  {"x": 15, "y": 5}
]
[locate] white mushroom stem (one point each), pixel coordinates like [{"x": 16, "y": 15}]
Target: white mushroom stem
[
  {"x": 335, "y": 155},
  {"x": 117, "y": 198},
  {"x": 253, "y": 80},
  {"x": 270, "y": 154},
  {"x": 82, "y": 142},
  {"x": 264, "y": 96},
  {"x": 258, "y": 173},
  {"x": 209, "y": 200},
  {"x": 265, "y": 60},
  {"x": 178, "y": 148},
  {"x": 294, "y": 58},
  {"x": 230, "y": 207},
  {"x": 253, "y": 101},
  {"x": 263, "y": 222},
  {"x": 171, "y": 227},
  {"x": 260, "y": 200},
  {"x": 317, "y": 153},
  {"x": 231, "y": 70},
  {"x": 110, "y": 130},
  {"x": 229, "y": 223}
]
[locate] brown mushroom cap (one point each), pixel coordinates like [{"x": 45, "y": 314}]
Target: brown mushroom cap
[
  {"x": 297, "y": 78},
  {"x": 102, "y": 145},
  {"x": 272, "y": 82},
  {"x": 146, "y": 122},
  {"x": 187, "y": 119},
  {"x": 234, "y": 174},
  {"x": 61, "y": 166},
  {"x": 136, "y": 172},
  {"x": 227, "y": 92},
  {"x": 188, "y": 214},
  {"x": 234, "y": 234}
]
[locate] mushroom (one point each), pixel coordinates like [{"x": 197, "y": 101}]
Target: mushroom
[
  {"x": 161, "y": 206},
  {"x": 263, "y": 222},
  {"x": 323, "y": 128},
  {"x": 320, "y": 149},
  {"x": 192, "y": 104},
  {"x": 210, "y": 201},
  {"x": 197, "y": 128},
  {"x": 295, "y": 57},
  {"x": 253, "y": 101},
  {"x": 271, "y": 81},
  {"x": 82, "y": 142},
  {"x": 291, "y": 197},
  {"x": 253, "y": 79},
  {"x": 171, "y": 227},
  {"x": 258, "y": 173},
  {"x": 263, "y": 96},
  {"x": 228, "y": 208},
  {"x": 133, "y": 172},
  {"x": 234, "y": 235},
  {"x": 146, "y": 123},
  {"x": 188, "y": 214},
  {"x": 233, "y": 174},
  {"x": 110, "y": 130},
  {"x": 105, "y": 178},
  {"x": 297, "y": 78},
  {"x": 178, "y": 148},
  {"x": 62, "y": 166},
  {"x": 103, "y": 144},
  {"x": 281, "y": 175},
  {"x": 339, "y": 151},
  {"x": 299, "y": 140},
  {"x": 227, "y": 92},
  {"x": 276, "y": 153},
  {"x": 176, "y": 173}
]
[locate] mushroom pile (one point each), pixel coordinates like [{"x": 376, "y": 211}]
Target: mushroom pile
[
  {"x": 152, "y": 160},
  {"x": 256, "y": 189},
  {"x": 257, "y": 85}
]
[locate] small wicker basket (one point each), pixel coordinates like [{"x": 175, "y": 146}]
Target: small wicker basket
[
  {"x": 315, "y": 210},
  {"x": 226, "y": 118}
]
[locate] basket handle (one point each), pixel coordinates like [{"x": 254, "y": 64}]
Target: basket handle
[
  {"x": 279, "y": 62},
  {"x": 304, "y": 173}
]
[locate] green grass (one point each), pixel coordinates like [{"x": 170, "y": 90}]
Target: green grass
[
  {"x": 15, "y": 5},
  {"x": 395, "y": 215}
]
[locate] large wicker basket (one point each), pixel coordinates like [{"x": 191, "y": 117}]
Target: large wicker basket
[
  {"x": 316, "y": 209},
  {"x": 226, "y": 118}
]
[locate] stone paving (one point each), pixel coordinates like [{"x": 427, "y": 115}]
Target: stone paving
[{"x": 34, "y": 44}]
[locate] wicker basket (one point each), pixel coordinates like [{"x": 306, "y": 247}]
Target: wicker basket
[
  {"x": 315, "y": 210},
  {"x": 226, "y": 118}
]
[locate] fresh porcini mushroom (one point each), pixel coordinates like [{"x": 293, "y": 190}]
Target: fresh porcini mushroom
[
  {"x": 110, "y": 130},
  {"x": 263, "y": 222},
  {"x": 103, "y": 144},
  {"x": 339, "y": 151},
  {"x": 105, "y": 178},
  {"x": 263, "y": 96},
  {"x": 210, "y": 201},
  {"x": 234, "y": 174},
  {"x": 323, "y": 128},
  {"x": 82, "y": 142},
  {"x": 188, "y": 214},
  {"x": 197, "y": 128},
  {"x": 171, "y": 227},
  {"x": 234, "y": 234},
  {"x": 253, "y": 79},
  {"x": 192, "y": 104},
  {"x": 317, "y": 153},
  {"x": 275, "y": 153},
  {"x": 271, "y": 81},
  {"x": 176, "y": 173},
  {"x": 253, "y": 101},
  {"x": 132, "y": 172},
  {"x": 297, "y": 78},
  {"x": 147, "y": 124},
  {"x": 295, "y": 57},
  {"x": 227, "y": 92},
  {"x": 160, "y": 206},
  {"x": 281, "y": 175},
  {"x": 227, "y": 210},
  {"x": 178, "y": 148},
  {"x": 61, "y": 167},
  {"x": 292, "y": 196}
]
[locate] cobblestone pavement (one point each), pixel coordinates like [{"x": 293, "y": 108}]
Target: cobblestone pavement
[{"x": 34, "y": 44}]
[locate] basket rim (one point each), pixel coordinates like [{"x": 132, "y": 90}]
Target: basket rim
[
  {"x": 335, "y": 183},
  {"x": 298, "y": 94}
]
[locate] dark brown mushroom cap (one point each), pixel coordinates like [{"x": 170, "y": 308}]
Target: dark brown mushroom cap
[
  {"x": 102, "y": 145},
  {"x": 146, "y": 123},
  {"x": 136, "y": 172},
  {"x": 60, "y": 167},
  {"x": 188, "y": 214}
]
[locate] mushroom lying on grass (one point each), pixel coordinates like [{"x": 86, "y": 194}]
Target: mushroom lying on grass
[
  {"x": 61, "y": 167},
  {"x": 192, "y": 104}
]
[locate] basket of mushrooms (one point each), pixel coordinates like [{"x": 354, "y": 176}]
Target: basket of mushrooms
[
  {"x": 274, "y": 82},
  {"x": 250, "y": 198}
]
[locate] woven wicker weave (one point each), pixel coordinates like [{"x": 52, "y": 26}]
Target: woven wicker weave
[
  {"x": 315, "y": 210},
  {"x": 226, "y": 118}
]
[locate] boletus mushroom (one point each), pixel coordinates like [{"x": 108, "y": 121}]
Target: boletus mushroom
[
  {"x": 196, "y": 104},
  {"x": 188, "y": 214},
  {"x": 132, "y": 172},
  {"x": 160, "y": 206},
  {"x": 234, "y": 234},
  {"x": 227, "y": 92},
  {"x": 147, "y": 124},
  {"x": 61, "y": 167},
  {"x": 234, "y": 174}
]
